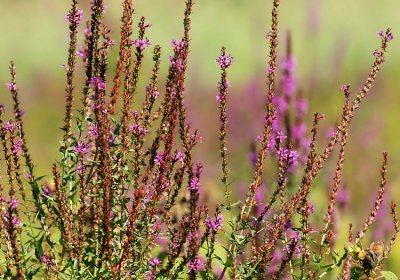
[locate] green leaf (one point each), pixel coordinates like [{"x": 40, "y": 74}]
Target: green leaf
[
  {"x": 356, "y": 272},
  {"x": 328, "y": 265},
  {"x": 388, "y": 275},
  {"x": 39, "y": 248}
]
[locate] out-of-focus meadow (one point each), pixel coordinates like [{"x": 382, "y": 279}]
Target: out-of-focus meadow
[{"x": 333, "y": 42}]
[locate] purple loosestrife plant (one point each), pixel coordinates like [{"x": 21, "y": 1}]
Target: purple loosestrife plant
[{"x": 125, "y": 200}]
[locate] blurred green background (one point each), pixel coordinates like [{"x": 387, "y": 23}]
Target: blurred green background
[{"x": 332, "y": 40}]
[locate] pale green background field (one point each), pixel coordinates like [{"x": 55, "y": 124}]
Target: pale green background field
[{"x": 333, "y": 42}]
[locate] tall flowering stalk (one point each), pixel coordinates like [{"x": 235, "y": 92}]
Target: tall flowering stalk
[
  {"x": 74, "y": 18},
  {"x": 224, "y": 61},
  {"x": 328, "y": 233},
  {"x": 378, "y": 200},
  {"x": 123, "y": 63},
  {"x": 246, "y": 208},
  {"x": 270, "y": 115}
]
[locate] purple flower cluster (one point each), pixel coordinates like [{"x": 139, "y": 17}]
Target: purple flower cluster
[
  {"x": 93, "y": 130},
  {"x": 224, "y": 61},
  {"x": 179, "y": 156},
  {"x": 9, "y": 126},
  {"x": 288, "y": 155},
  {"x": 343, "y": 197},
  {"x": 155, "y": 262},
  {"x": 176, "y": 60},
  {"x": 299, "y": 130},
  {"x": 154, "y": 93},
  {"x": 178, "y": 63},
  {"x": 289, "y": 79},
  {"x": 79, "y": 168},
  {"x": 293, "y": 247},
  {"x": 47, "y": 191},
  {"x": 159, "y": 159},
  {"x": 11, "y": 86},
  {"x": 13, "y": 203},
  {"x": 283, "y": 101},
  {"x": 345, "y": 88},
  {"x": 275, "y": 262},
  {"x": 271, "y": 70},
  {"x": 386, "y": 35},
  {"x": 220, "y": 97},
  {"x": 81, "y": 53},
  {"x": 76, "y": 18},
  {"x": 98, "y": 83},
  {"x": 141, "y": 44},
  {"x": 15, "y": 221},
  {"x": 195, "y": 265},
  {"x": 17, "y": 147},
  {"x": 177, "y": 45},
  {"x": 287, "y": 103},
  {"x": 281, "y": 106},
  {"x": 194, "y": 184},
  {"x": 214, "y": 225},
  {"x": 301, "y": 106},
  {"x": 87, "y": 31},
  {"x": 81, "y": 148},
  {"x": 138, "y": 130},
  {"x": 150, "y": 275},
  {"x": 378, "y": 53},
  {"x": 47, "y": 260}
]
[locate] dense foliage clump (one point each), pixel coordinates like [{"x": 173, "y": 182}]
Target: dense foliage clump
[{"x": 125, "y": 199}]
